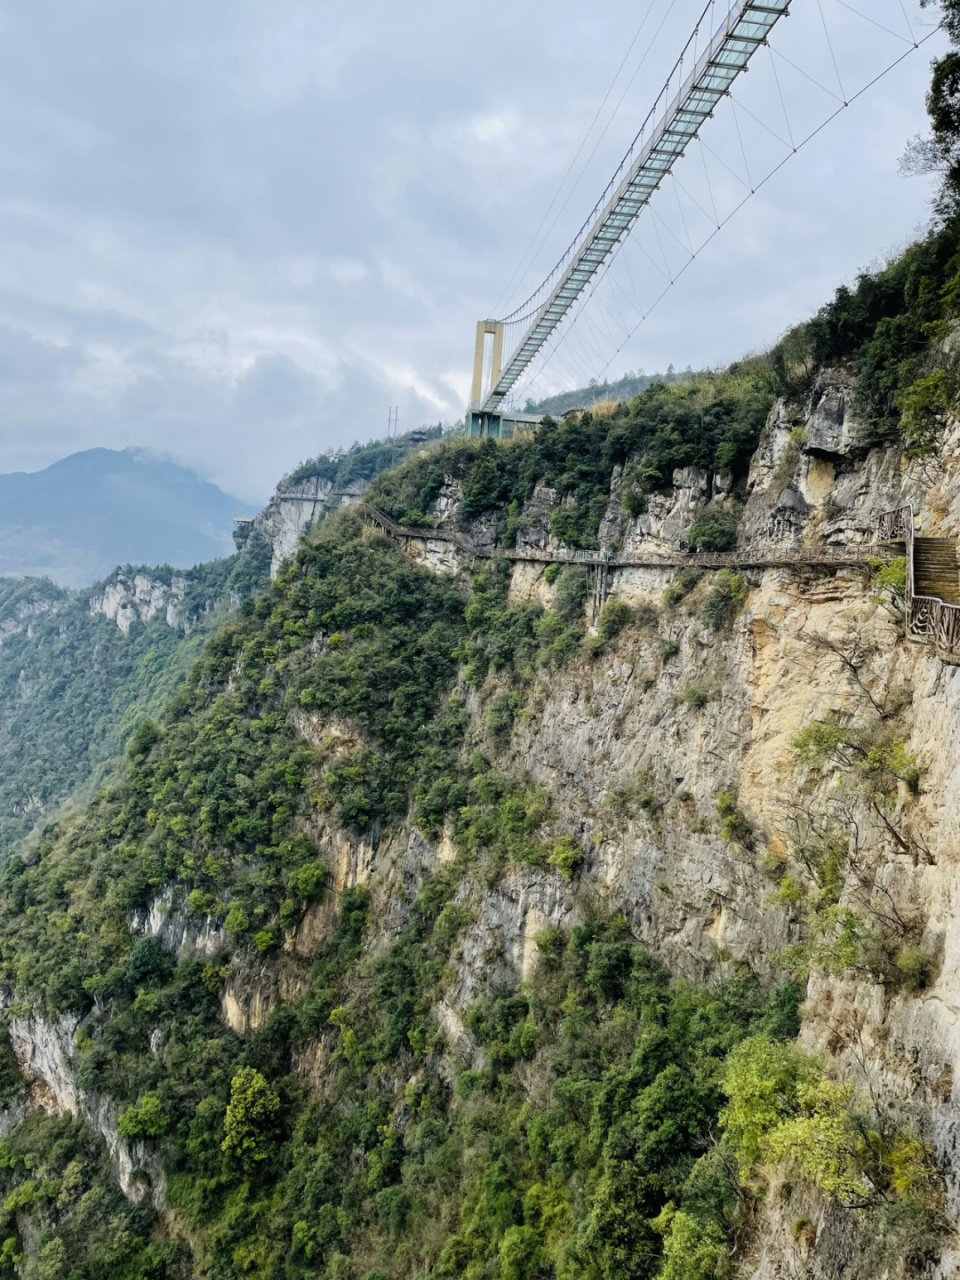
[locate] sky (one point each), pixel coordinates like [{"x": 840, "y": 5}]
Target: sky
[{"x": 237, "y": 232}]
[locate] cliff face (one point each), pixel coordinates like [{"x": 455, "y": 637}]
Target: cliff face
[
  {"x": 45, "y": 1052},
  {"x": 294, "y": 507},
  {"x": 635, "y": 744},
  {"x": 716, "y": 713},
  {"x": 22, "y": 614},
  {"x": 126, "y": 599}
]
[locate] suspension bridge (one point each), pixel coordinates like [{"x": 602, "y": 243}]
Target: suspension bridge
[{"x": 714, "y": 57}]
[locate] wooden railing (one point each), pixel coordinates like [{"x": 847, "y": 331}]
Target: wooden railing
[{"x": 928, "y": 618}]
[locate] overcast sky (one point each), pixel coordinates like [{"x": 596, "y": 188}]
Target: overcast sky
[{"x": 238, "y": 232}]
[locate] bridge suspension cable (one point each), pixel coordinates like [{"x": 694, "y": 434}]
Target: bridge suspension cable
[
  {"x": 673, "y": 123},
  {"x": 718, "y": 223}
]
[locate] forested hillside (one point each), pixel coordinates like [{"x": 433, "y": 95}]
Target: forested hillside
[
  {"x": 218, "y": 799},
  {"x": 625, "y": 388},
  {"x": 601, "y": 1117},
  {"x": 435, "y": 927},
  {"x": 74, "y": 684}
]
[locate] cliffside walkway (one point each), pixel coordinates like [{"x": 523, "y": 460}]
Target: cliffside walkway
[
  {"x": 933, "y": 583},
  {"x": 759, "y": 559}
]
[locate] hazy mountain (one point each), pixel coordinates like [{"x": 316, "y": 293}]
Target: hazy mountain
[
  {"x": 77, "y": 520},
  {"x": 625, "y": 388}
]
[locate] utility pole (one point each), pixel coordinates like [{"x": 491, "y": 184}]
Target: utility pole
[{"x": 393, "y": 420}]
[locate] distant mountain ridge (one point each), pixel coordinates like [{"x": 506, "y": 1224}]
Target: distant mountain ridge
[
  {"x": 625, "y": 388},
  {"x": 77, "y": 520}
]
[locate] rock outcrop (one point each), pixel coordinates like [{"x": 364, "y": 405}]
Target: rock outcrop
[
  {"x": 294, "y": 507},
  {"x": 45, "y": 1052},
  {"x": 688, "y": 714},
  {"x": 21, "y": 615},
  {"x": 127, "y": 599}
]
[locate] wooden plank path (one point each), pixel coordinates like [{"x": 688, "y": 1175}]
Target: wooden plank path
[
  {"x": 931, "y": 568},
  {"x": 748, "y": 559}
]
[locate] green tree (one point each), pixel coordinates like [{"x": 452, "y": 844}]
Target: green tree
[
  {"x": 146, "y": 1120},
  {"x": 250, "y": 1125}
]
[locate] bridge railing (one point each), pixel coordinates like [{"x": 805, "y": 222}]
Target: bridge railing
[{"x": 896, "y": 525}]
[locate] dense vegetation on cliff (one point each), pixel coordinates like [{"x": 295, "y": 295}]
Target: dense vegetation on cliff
[
  {"x": 73, "y": 686},
  {"x": 710, "y": 420},
  {"x": 601, "y": 1120},
  {"x": 218, "y": 797},
  {"x": 344, "y": 467},
  {"x": 577, "y": 1142}
]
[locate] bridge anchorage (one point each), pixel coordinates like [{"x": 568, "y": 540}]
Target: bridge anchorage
[{"x": 672, "y": 128}]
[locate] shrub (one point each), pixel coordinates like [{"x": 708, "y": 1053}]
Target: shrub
[
  {"x": 715, "y": 527},
  {"x": 566, "y": 856},
  {"x": 889, "y": 577},
  {"x": 668, "y": 648},
  {"x": 695, "y": 697},
  {"x": 237, "y": 921},
  {"x": 146, "y": 1120},
  {"x": 550, "y": 574},
  {"x": 251, "y": 1120},
  {"x": 623, "y": 799},
  {"x": 200, "y": 903},
  {"x": 519, "y": 1253},
  {"x": 683, "y": 583},
  {"x": 573, "y": 588},
  {"x": 735, "y": 825},
  {"x": 692, "y": 1250},
  {"x": 575, "y": 523},
  {"x": 916, "y": 968},
  {"x": 501, "y": 716},
  {"x": 925, "y": 408},
  {"x": 633, "y": 501},
  {"x": 309, "y": 881},
  {"x": 645, "y": 616},
  {"x": 614, "y": 616},
  {"x": 879, "y": 758},
  {"x": 393, "y": 1209},
  {"x": 148, "y": 960},
  {"x": 728, "y": 593}
]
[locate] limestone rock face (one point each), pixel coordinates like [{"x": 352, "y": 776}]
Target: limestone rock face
[
  {"x": 807, "y": 643},
  {"x": 125, "y": 600},
  {"x": 20, "y": 617},
  {"x": 294, "y": 507},
  {"x": 44, "y": 1050}
]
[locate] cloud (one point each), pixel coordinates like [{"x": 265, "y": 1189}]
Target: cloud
[{"x": 239, "y": 233}]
